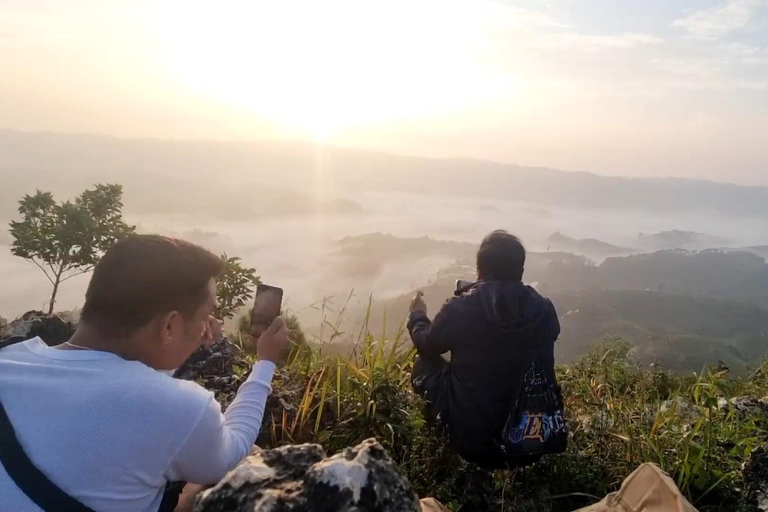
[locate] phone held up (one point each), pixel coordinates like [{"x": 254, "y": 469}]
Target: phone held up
[
  {"x": 266, "y": 308},
  {"x": 463, "y": 286}
]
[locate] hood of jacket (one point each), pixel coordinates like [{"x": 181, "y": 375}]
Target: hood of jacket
[{"x": 515, "y": 308}]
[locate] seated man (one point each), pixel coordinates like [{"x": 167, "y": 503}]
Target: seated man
[
  {"x": 486, "y": 329},
  {"x": 100, "y": 423}
]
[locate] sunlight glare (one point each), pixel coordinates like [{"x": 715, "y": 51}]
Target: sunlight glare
[{"x": 319, "y": 68}]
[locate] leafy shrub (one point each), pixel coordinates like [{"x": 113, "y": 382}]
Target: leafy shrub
[{"x": 235, "y": 288}]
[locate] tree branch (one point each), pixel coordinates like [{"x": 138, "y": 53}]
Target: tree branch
[
  {"x": 41, "y": 268},
  {"x": 77, "y": 274}
]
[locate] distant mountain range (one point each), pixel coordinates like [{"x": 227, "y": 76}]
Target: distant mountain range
[
  {"x": 680, "y": 332},
  {"x": 681, "y": 309},
  {"x": 67, "y": 163},
  {"x": 677, "y": 239},
  {"x": 589, "y": 247}
]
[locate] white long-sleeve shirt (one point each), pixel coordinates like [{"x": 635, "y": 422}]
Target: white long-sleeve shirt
[{"x": 111, "y": 433}]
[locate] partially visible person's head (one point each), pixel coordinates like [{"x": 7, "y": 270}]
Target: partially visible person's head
[
  {"x": 501, "y": 258},
  {"x": 156, "y": 292}
]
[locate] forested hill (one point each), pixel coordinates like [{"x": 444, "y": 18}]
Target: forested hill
[{"x": 683, "y": 310}]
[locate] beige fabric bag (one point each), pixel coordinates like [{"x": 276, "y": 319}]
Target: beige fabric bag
[
  {"x": 432, "y": 505},
  {"x": 648, "y": 489}
]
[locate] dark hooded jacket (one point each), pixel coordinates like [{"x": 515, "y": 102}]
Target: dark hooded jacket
[{"x": 488, "y": 330}]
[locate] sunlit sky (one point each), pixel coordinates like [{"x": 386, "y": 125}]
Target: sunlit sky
[{"x": 628, "y": 87}]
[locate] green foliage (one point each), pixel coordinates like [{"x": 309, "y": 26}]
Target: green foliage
[
  {"x": 67, "y": 239},
  {"x": 298, "y": 349},
  {"x": 235, "y": 287}
]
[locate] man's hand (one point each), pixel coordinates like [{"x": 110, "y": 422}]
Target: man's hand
[
  {"x": 273, "y": 342},
  {"x": 212, "y": 330},
  {"x": 418, "y": 304}
]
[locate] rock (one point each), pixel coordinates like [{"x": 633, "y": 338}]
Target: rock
[
  {"x": 214, "y": 368},
  {"x": 755, "y": 473},
  {"x": 600, "y": 422},
  {"x": 687, "y": 411},
  {"x": 300, "y": 478},
  {"x": 745, "y": 406},
  {"x": 53, "y": 330},
  {"x": 217, "y": 360}
]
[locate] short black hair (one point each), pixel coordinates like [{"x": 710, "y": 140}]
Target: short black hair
[
  {"x": 145, "y": 276},
  {"x": 501, "y": 257}
]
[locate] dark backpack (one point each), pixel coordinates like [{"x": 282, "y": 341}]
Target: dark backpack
[{"x": 536, "y": 421}]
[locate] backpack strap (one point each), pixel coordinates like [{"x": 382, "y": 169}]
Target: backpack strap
[
  {"x": 38, "y": 488},
  {"x": 11, "y": 341},
  {"x": 32, "y": 482}
]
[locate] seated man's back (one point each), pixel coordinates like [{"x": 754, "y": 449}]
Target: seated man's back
[
  {"x": 488, "y": 330},
  {"x": 104, "y": 429}
]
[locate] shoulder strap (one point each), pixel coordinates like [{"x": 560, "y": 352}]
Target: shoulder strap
[
  {"x": 11, "y": 341},
  {"x": 38, "y": 488}
]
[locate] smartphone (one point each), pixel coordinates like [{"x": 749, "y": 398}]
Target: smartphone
[
  {"x": 462, "y": 286},
  {"x": 266, "y": 307}
]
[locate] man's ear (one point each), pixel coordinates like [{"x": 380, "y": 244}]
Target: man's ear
[{"x": 168, "y": 326}]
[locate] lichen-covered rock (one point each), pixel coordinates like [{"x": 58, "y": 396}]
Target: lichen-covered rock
[
  {"x": 53, "y": 330},
  {"x": 746, "y": 406},
  {"x": 755, "y": 473},
  {"x": 300, "y": 478},
  {"x": 684, "y": 409}
]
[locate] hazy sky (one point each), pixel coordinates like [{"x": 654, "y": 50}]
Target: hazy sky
[{"x": 651, "y": 87}]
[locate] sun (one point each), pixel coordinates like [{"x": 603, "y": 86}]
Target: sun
[{"x": 320, "y": 68}]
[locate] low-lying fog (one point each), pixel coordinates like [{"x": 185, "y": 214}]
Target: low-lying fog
[
  {"x": 284, "y": 207},
  {"x": 301, "y": 253}
]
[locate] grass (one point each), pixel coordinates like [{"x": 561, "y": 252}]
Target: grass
[{"x": 619, "y": 415}]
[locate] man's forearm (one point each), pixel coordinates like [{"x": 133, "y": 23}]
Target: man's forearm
[
  {"x": 419, "y": 327},
  {"x": 247, "y": 410}
]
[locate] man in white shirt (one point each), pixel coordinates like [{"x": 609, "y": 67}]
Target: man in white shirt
[{"x": 100, "y": 416}]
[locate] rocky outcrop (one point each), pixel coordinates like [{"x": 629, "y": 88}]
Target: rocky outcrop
[
  {"x": 216, "y": 360},
  {"x": 755, "y": 473},
  {"x": 53, "y": 330},
  {"x": 214, "y": 368},
  {"x": 745, "y": 406},
  {"x": 300, "y": 478}
]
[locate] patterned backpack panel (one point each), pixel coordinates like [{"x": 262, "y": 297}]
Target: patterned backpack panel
[{"x": 536, "y": 422}]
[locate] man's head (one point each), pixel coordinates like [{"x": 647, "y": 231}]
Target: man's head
[
  {"x": 501, "y": 258},
  {"x": 155, "y": 293}
]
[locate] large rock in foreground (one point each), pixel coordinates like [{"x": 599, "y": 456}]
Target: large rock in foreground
[{"x": 300, "y": 478}]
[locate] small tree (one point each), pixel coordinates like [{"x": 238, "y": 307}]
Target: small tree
[
  {"x": 66, "y": 240},
  {"x": 235, "y": 287}
]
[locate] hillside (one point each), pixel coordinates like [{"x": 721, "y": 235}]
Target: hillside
[
  {"x": 589, "y": 247},
  {"x": 703, "y": 430},
  {"x": 677, "y": 239},
  {"x": 368, "y": 254},
  {"x": 682, "y": 310},
  {"x": 67, "y": 163}
]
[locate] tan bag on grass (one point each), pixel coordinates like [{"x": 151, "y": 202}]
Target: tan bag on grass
[
  {"x": 432, "y": 505},
  {"x": 648, "y": 489}
]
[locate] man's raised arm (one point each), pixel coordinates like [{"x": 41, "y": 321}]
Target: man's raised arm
[{"x": 438, "y": 337}]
